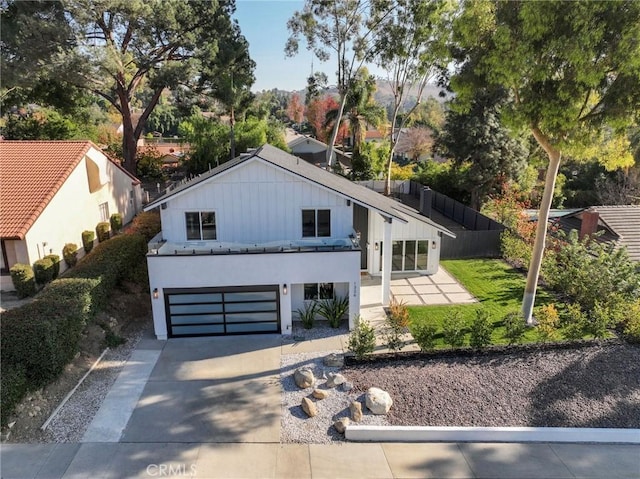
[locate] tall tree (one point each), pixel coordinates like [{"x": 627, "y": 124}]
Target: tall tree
[
  {"x": 295, "y": 109},
  {"x": 360, "y": 109},
  {"x": 344, "y": 28},
  {"x": 411, "y": 47},
  {"x": 316, "y": 83},
  {"x": 478, "y": 138},
  {"x": 572, "y": 70},
  {"x": 115, "y": 48}
]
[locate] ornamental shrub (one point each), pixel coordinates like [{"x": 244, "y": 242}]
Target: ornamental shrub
[
  {"x": 362, "y": 340},
  {"x": 514, "y": 327},
  {"x": 600, "y": 320},
  {"x": 481, "y": 329},
  {"x": 453, "y": 330},
  {"x": 70, "y": 254},
  {"x": 574, "y": 322},
  {"x": 632, "y": 323},
  {"x": 102, "y": 231},
  {"x": 307, "y": 315},
  {"x": 425, "y": 335},
  {"x": 87, "y": 240},
  {"x": 548, "y": 322},
  {"x": 146, "y": 224},
  {"x": 333, "y": 309},
  {"x": 116, "y": 222},
  {"x": 393, "y": 334},
  {"x": 23, "y": 279},
  {"x": 55, "y": 260},
  {"x": 43, "y": 269},
  {"x": 398, "y": 313}
]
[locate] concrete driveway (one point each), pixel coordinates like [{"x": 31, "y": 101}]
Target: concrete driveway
[{"x": 222, "y": 389}]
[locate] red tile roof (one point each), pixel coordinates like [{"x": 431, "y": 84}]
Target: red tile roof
[{"x": 31, "y": 173}]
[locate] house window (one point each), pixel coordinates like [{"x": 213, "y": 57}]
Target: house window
[
  {"x": 201, "y": 225},
  {"x": 314, "y": 291},
  {"x": 408, "y": 255},
  {"x": 104, "y": 211},
  {"x": 316, "y": 223}
]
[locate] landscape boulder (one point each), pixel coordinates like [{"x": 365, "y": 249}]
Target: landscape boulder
[
  {"x": 309, "y": 407},
  {"x": 320, "y": 393},
  {"x": 333, "y": 360},
  {"x": 356, "y": 411},
  {"x": 341, "y": 424},
  {"x": 304, "y": 378},
  {"x": 378, "y": 401},
  {"x": 335, "y": 379}
]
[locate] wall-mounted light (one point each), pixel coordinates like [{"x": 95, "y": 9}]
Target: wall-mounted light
[
  {"x": 155, "y": 293},
  {"x": 376, "y": 246},
  {"x": 434, "y": 245},
  {"x": 284, "y": 289}
]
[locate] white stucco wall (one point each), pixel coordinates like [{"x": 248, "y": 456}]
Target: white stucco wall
[
  {"x": 307, "y": 146},
  {"x": 199, "y": 271},
  {"x": 255, "y": 203},
  {"x": 75, "y": 208}
]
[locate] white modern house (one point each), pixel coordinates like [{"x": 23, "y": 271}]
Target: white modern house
[
  {"x": 246, "y": 244},
  {"x": 51, "y": 191}
]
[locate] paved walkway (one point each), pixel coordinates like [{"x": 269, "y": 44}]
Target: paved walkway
[
  {"x": 298, "y": 461},
  {"x": 438, "y": 288}
]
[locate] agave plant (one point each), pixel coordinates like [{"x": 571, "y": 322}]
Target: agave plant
[
  {"x": 307, "y": 314},
  {"x": 333, "y": 310}
]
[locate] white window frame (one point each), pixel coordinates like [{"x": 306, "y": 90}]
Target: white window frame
[{"x": 104, "y": 210}]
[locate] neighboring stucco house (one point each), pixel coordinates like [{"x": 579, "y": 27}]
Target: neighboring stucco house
[
  {"x": 315, "y": 152},
  {"x": 246, "y": 244},
  {"x": 51, "y": 191}
]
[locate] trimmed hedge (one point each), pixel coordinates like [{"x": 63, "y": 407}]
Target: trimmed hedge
[
  {"x": 43, "y": 336},
  {"x": 43, "y": 270},
  {"x": 13, "y": 387},
  {"x": 55, "y": 260},
  {"x": 70, "y": 254},
  {"x": 87, "y": 240},
  {"x": 116, "y": 222},
  {"x": 23, "y": 279},
  {"x": 102, "y": 231}
]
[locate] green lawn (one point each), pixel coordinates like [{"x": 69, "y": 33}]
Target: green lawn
[{"x": 497, "y": 286}]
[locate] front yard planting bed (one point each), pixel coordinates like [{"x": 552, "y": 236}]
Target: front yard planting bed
[{"x": 596, "y": 384}]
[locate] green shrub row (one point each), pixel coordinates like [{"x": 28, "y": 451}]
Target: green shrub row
[
  {"x": 41, "y": 337},
  {"x": 23, "y": 279},
  {"x": 47, "y": 269}
]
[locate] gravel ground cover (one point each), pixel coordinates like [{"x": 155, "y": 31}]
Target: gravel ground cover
[
  {"x": 71, "y": 422},
  {"x": 593, "y": 386}
]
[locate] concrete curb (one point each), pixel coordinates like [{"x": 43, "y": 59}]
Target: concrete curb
[{"x": 491, "y": 434}]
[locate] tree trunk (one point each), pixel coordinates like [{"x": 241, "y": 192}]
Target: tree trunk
[
  {"x": 334, "y": 133},
  {"x": 541, "y": 231},
  {"x": 129, "y": 141}
]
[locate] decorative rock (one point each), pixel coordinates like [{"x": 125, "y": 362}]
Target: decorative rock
[
  {"x": 378, "y": 401},
  {"x": 304, "y": 378},
  {"x": 320, "y": 393},
  {"x": 356, "y": 411},
  {"x": 309, "y": 407},
  {"x": 347, "y": 386},
  {"x": 335, "y": 379},
  {"x": 11, "y": 424},
  {"x": 333, "y": 360},
  {"x": 341, "y": 424}
]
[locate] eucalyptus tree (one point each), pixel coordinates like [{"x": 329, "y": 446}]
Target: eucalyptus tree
[
  {"x": 345, "y": 29},
  {"x": 117, "y": 48},
  {"x": 572, "y": 71},
  {"x": 412, "y": 47}
]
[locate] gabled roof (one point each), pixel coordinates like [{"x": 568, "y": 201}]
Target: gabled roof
[
  {"x": 306, "y": 139},
  {"x": 621, "y": 225},
  {"x": 336, "y": 183},
  {"x": 31, "y": 174}
]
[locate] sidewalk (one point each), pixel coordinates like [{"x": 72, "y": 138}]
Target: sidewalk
[{"x": 298, "y": 461}]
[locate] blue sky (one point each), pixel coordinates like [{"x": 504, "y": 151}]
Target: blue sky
[{"x": 264, "y": 25}]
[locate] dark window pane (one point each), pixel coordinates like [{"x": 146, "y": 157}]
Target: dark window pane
[
  {"x": 308, "y": 223},
  {"x": 247, "y": 307},
  {"x": 208, "y": 225},
  {"x": 250, "y": 296},
  {"x": 195, "y": 298},
  {"x": 195, "y": 308},
  {"x": 409, "y": 255},
  {"x": 326, "y": 290},
  {"x": 251, "y": 317},
  {"x": 193, "y": 226},
  {"x": 423, "y": 254},
  {"x": 311, "y": 291},
  {"x": 324, "y": 223},
  {"x": 196, "y": 319},
  {"x": 396, "y": 256}
]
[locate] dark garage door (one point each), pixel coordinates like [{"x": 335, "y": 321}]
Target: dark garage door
[{"x": 219, "y": 311}]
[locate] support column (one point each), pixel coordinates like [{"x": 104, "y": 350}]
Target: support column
[
  {"x": 286, "y": 319},
  {"x": 354, "y": 301},
  {"x": 387, "y": 248}
]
